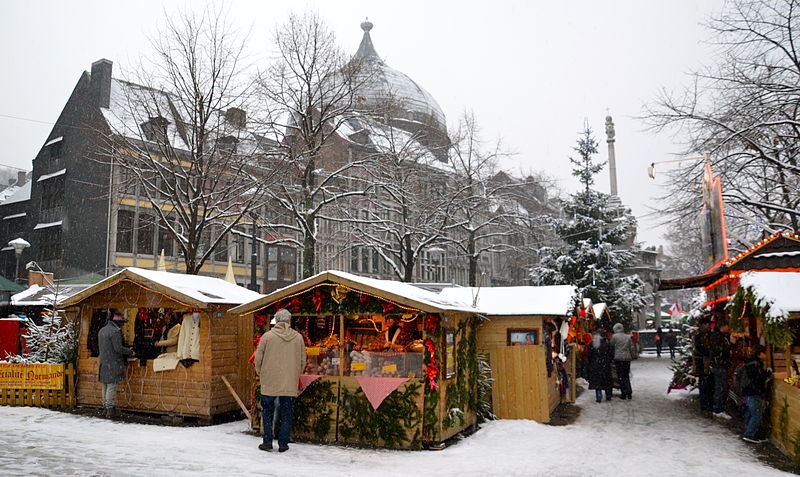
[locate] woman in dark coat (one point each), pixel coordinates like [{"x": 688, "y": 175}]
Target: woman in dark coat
[{"x": 601, "y": 357}]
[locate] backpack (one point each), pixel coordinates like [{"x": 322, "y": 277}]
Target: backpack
[{"x": 741, "y": 378}]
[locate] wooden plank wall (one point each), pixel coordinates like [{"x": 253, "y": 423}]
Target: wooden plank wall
[
  {"x": 494, "y": 332},
  {"x": 183, "y": 391},
  {"x": 520, "y": 388},
  {"x": 227, "y": 355},
  {"x": 791, "y": 394}
]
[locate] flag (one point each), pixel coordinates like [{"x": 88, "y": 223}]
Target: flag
[{"x": 675, "y": 308}]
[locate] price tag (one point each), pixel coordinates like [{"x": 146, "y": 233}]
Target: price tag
[
  {"x": 335, "y": 361},
  {"x": 312, "y": 351},
  {"x": 358, "y": 366},
  {"x": 389, "y": 368},
  {"x": 412, "y": 375}
]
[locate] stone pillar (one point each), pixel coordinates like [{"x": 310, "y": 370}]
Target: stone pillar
[{"x": 612, "y": 160}]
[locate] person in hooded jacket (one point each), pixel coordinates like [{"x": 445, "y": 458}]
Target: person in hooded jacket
[
  {"x": 623, "y": 354},
  {"x": 600, "y": 357},
  {"x": 754, "y": 390},
  {"x": 280, "y": 359}
]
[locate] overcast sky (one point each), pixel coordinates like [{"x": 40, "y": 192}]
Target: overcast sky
[{"x": 531, "y": 71}]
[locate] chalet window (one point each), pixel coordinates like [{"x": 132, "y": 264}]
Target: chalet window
[
  {"x": 145, "y": 234},
  {"x": 125, "y": 231},
  {"x": 155, "y": 129}
]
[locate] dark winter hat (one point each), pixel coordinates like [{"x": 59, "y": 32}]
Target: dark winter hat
[
  {"x": 757, "y": 349},
  {"x": 118, "y": 317}
]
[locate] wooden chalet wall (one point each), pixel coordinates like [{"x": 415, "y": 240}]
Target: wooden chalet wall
[
  {"x": 522, "y": 389},
  {"x": 196, "y": 391}
]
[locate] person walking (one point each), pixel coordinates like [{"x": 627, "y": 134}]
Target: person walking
[
  {"x": 623, "y": 354},
  {"x": 719, "y": 347},
  {"x": 753, "y": 382},
  {"x": 659, "y": 339},
  {"x": 280, "y": 359},
  {"x": 600, "y": 356},
  {"x": 702, "y": 365},
  {"x": 672, "y": 341},
  {"x": 113, "y": 360}
]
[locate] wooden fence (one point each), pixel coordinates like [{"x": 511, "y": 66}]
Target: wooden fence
[
  {"x": 43, "y": 397},
  {"x": 520, "y": 389}
]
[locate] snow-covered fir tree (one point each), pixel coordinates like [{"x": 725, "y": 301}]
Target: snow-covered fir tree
[
  {"x": 55, "y": 341},
  {"x": 597, "y": 246}
]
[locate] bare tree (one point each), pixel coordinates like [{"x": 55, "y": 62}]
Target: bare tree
[
  {"x": 743, "y": 111},
  {"x": 180, "y": 135},
  {"x": 485, "y": 208},
  {"x": 407, "y": 212},
  {"x": 309, "y": 93}
]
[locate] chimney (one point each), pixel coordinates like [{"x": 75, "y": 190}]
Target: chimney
[
  {"x": 22, "y": 178},
  {"x": 236, "y": 117},
  {"x": 100, "y": 83}
]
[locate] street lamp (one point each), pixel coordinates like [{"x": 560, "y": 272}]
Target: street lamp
[
  {"x": 18, "y": 244},
  {"x": 651, "y": 169}
]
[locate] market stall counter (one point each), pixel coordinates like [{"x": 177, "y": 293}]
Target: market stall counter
[{"x": 388, "y": 364}]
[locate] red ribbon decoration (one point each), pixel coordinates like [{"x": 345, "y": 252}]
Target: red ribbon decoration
[
  {"x": 256, "y": 341},
  {"x": 316, "y": 298},
  {"x": 387, "y": 307},
  {"x": 432, "y": 323},
  {"x": 260, "y": 320},
  {"x": 364, "y": 298},
  {"x": 431, "y": 369},
  {"x": 294, "y": 304}
]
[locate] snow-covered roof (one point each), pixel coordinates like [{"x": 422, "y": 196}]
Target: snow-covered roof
[
  {"x": 48, "y": 225},
  {"x": 20, "y": 194},
  {"x": 556, "y": 300},
  {"x": 37, "y": 295},
  {"x": 598, "y": 309},
  {"x": 53, "y": 141},
  {"x": 15, "y": 216},
  {"x": 194, "y": 290},
  {"x": 403, "y": 293},
  {"x": 775, "y": 291},
  {"x": 44, "y": 177}
]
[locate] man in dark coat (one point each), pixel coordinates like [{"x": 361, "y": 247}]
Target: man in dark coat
[
  {"x": 113, "y": 360},
  {"x": 672, "y": 342},
  {"x": 754, "y": 389},
  {"x": 601, "y": 357}
]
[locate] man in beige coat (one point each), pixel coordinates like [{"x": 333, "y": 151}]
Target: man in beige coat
[{"x": 280, "y": 359}]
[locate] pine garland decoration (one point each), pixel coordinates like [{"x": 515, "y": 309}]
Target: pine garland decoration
[{"x": 389, "y": 424}]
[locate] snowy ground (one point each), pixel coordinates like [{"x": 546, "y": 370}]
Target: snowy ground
[{"x": 654, "y": 434}]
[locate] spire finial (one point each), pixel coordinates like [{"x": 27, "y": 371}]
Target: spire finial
[
  {"x": 366, "y": 50},
  {"x": 366, "y": 25}
]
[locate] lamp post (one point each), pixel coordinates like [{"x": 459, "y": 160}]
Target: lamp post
[
  {"x": 18, "y": 244},
  {"x": 651, "y": 169}
]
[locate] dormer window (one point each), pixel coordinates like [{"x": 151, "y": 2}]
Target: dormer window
[{"x": 155, "y": 129}]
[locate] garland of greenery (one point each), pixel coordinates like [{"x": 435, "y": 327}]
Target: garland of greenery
[
  {"x": 432, "y": 355},
  {"x": 390, "y": 423},
  {"x": 333, "y": 299},
  {"x": 461, "y": 396},
  {"x": 776, "y": 332},
  {"x": 796, "y": 447},
  {"x": 312, "y": 416}
]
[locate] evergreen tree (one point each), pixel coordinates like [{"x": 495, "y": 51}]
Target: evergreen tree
[{"x": 597, "y": 244}]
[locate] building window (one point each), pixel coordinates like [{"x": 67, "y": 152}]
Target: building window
[
  {"x": 144, "y": 234},
  {"x": 125, "y": 231},
  {"x": 165, "y": 241},
  {"x": 238, "y": 248},
  {"x": 52, "y": 193},
  {"x": 221, "y": 251},
  {"x": 281, "y": 263},
  {"x": 50, "y": 243}
]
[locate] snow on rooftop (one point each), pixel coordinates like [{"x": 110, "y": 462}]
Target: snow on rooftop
[
  {"x": 37, "y": 295},
  {"x": 390, "y": 287},
  {"x": 53, "y": 141},
  {"x": 44, "y": 177},
  {"x": 548, "y": 300},
  {"x": 48, "y": 225},
  {"x": 203, "y": 289},
  {"x": 777, "y": 291},
  {"x": 21, "y": 194},
  {"x": 779, "y": 254},
  {"x": 15, "y": 216}
]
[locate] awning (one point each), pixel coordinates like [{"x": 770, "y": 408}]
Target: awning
[{"x": 690, "y": 282}]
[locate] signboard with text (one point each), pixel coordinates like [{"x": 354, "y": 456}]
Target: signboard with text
[{"x": 31, "y": 376}]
